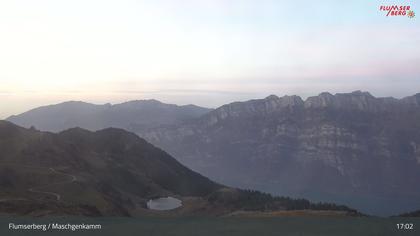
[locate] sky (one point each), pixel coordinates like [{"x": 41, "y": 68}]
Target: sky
[{"x": 204, "y": 52}]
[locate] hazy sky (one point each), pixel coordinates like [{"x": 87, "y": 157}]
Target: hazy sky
[{"x": 206, "y": 52}]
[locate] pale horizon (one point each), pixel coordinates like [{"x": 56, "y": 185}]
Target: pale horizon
[
  {"x": 206, "y": 53},
  {"x": 186, "y": 103}
]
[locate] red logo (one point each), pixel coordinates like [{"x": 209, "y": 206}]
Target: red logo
[
  {"x": 397, "y": 10},
  {"x": 411, "y": 14}
]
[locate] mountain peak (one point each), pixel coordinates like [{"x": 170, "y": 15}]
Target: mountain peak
[
  {"x": 135, "y": 103},
  {"x": 325, "y": 94},
  {"x": 355, "y": 100},
  {"x": 412, "y": 100},
  {"x": 361, "y": 93},
  {"x": 324, "y": 99},
  {"x": 73, "y": 102},
  {"x": 134, "y": 115},
  {"x": 272, "y": 97}
]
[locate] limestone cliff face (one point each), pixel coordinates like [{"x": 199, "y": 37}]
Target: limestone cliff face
[
  {"x": 266, "y": 106},
  {"x": 351, "y": 148}
]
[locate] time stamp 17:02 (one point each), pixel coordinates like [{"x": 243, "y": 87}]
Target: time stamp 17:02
[{"x": 405, "y": 226}]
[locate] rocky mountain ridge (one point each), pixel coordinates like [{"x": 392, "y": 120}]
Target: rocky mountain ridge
[
  {"x": 351, "y": 148},
  {"x": 356, "y": 100}
]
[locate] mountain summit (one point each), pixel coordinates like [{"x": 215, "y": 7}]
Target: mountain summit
[{"x": 132, "y": 115}]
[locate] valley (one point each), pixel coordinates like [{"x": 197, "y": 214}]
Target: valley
[
  {"x": 112, "y": 172},
  {"x": 349, "y": 148}
]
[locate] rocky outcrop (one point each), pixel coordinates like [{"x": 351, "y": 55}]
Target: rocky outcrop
[
  {"x": 356, "y": 100},
  {"x": 413, "y": 101}
]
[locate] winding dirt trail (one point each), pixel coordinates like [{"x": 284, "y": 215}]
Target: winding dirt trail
[
  {"x": 37, "y": 188},
  {"x": 56, "y": 195},
  {"x": 12, "y": 199}
]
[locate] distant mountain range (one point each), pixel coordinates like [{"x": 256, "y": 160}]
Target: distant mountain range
[
  {"x": 351, "y": 148},
  {"x": 133, "y": 115},
  {"x": 411, "y": 214},
  {"x": 111, "y": 172}
]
